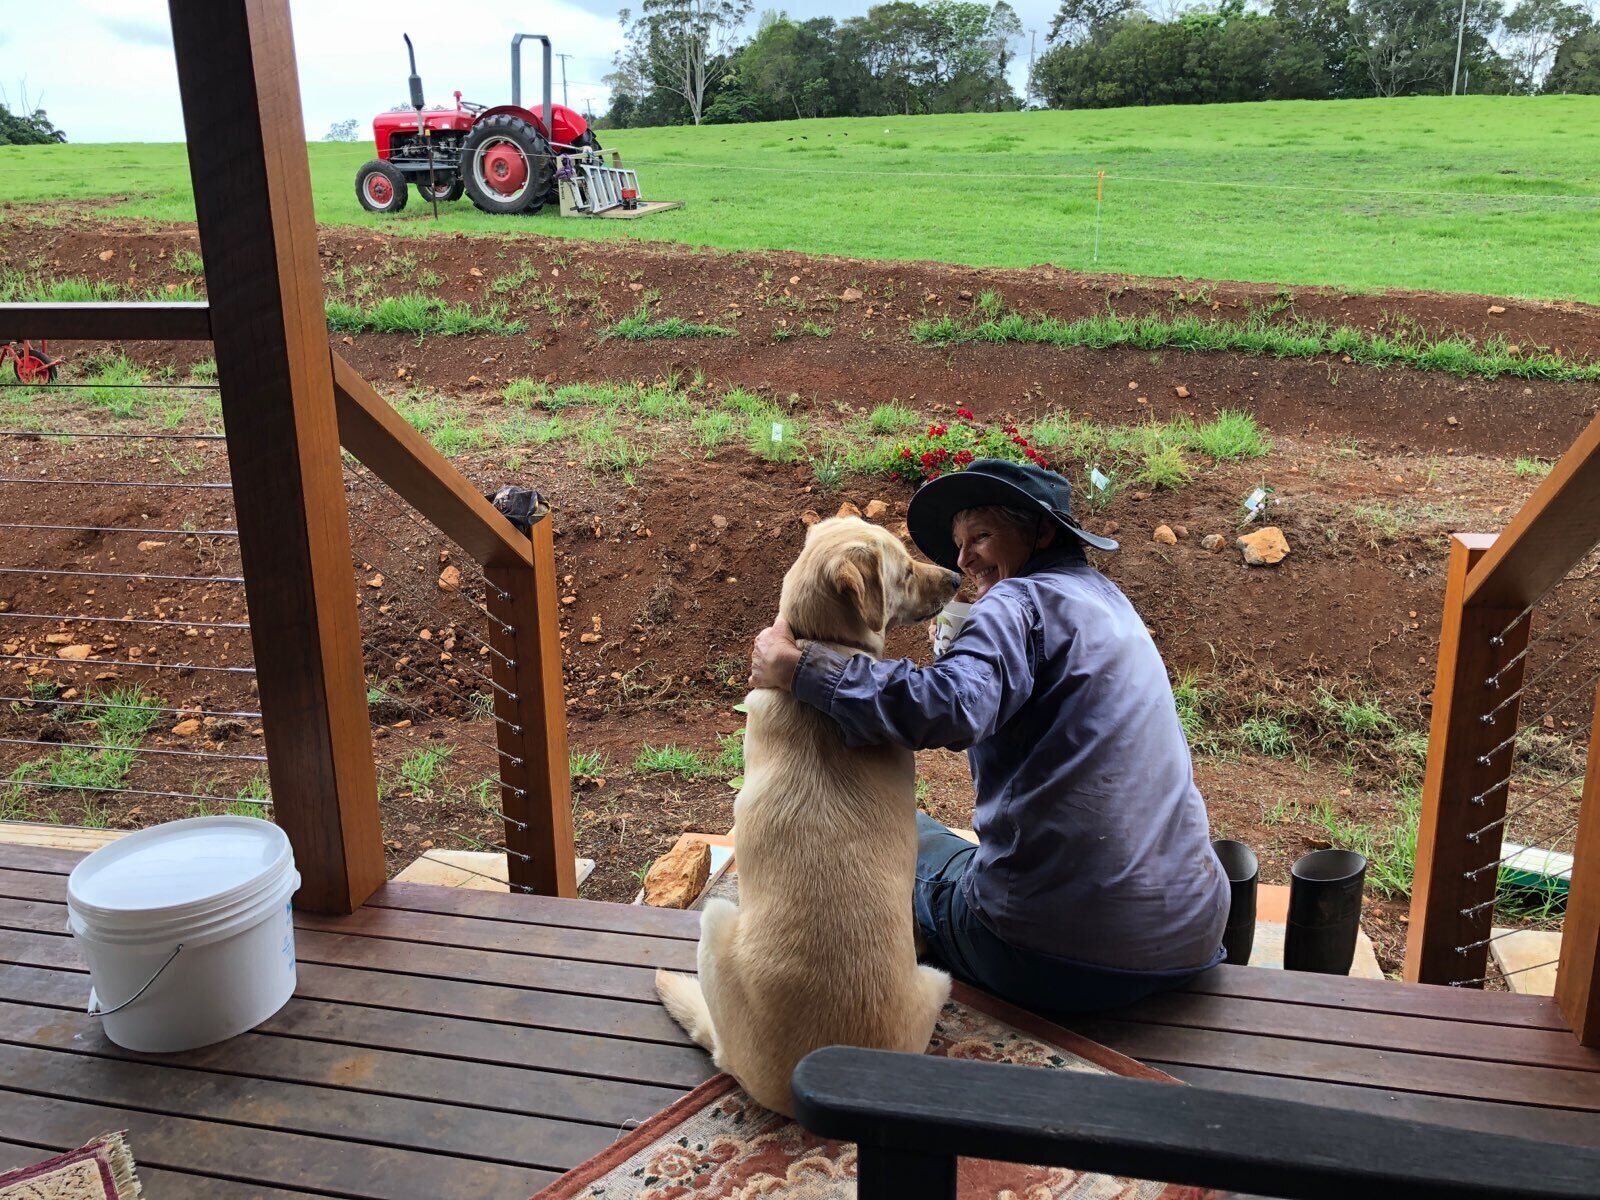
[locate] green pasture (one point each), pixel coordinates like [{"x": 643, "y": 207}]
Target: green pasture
[{"x": 1491, "y": 194}]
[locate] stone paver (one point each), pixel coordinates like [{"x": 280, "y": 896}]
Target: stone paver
[
  {"x": 1528, "y": 957},
  {"x": 479, "y": 870}
]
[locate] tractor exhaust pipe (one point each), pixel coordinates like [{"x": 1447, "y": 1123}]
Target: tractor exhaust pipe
[
  {"x": 416, "y": 80},
  {"x": 516, "y": 79},
  {"x": 423, "y": 133}
]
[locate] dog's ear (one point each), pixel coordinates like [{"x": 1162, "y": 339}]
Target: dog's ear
[{"x": 858, "y": 576}]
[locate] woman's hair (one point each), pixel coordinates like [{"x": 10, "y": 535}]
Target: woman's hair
[{"x": 1019, "y": 518}]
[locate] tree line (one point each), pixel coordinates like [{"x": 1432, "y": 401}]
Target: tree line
[{"x": 689, "y": 61}]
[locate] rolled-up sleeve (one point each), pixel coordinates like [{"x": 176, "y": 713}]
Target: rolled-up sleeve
[{"x": 979, "y": 684}]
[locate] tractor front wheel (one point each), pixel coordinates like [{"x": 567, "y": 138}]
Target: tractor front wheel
[
  {"x": 445, "y": 189},
  {"x": 380, "y": 188},
  {"x": 507, "y": 165}
]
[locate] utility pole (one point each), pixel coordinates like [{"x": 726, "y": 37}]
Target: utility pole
[
  {"x": 1027, "y": 100},
  {"x": 1461, "y": 33},
  {"x": 564, "y": 57}
]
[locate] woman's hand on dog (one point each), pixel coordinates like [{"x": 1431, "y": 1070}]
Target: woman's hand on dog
[{"x": 774, "y": 657}]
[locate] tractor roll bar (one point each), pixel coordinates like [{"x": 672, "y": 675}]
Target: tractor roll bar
[{"x": 516, "y": 79}]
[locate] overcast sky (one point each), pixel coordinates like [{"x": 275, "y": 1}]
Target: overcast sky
[{"x": 103, "y": 68}]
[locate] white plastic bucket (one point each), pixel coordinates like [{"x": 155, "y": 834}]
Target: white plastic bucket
[{"x": 188, "y": 930}]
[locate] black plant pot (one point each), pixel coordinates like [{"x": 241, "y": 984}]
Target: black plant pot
[
  {"x": 1324, "y": 912},
  {"x": 1243, "y": 871}
]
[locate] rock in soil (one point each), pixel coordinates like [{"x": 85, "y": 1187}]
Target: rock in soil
[
  {"x": 1164, "y": 535},
  {"x": 676, "y": 878},
  {"x": 1213, "y": 542},
  {"x": 1263, "y": 547}
]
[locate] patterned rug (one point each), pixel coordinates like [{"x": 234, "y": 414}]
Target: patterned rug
[
  {"x": 102, "y": 1170},
  {"x": 717, "y": 1143}
]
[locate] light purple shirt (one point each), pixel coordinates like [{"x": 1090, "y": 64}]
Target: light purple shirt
[{"x": 1093, "y": 839}]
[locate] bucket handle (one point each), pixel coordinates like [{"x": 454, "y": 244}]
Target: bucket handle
[{"x": 106, "y": 1012}]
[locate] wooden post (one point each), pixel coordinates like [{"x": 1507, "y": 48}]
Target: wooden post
[
  {"x": 535, "y": 792},
  {"x": 1578, "y": 972},
  {"x": 1447, "y": 907},
  {"x": 252, "y": 192}
]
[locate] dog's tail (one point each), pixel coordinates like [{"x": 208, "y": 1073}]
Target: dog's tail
[{"x": 686, "y": 1004}]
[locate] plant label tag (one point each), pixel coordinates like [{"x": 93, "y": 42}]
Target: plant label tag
[
  {"x": 1254, "y": 501},
  {"x": 1098, "y": 479},
  {"x": 777, "y": 431}
]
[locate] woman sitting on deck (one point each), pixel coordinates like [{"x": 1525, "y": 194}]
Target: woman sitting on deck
[{"x": 1093, "y": 882}]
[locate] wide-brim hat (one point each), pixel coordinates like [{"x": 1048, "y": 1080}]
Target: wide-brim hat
[{"x": 986, "y": 482}]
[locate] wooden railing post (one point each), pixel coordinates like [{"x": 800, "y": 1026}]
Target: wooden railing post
[
  {"x": 536, "y": 787},
  {"x": 1461, "y": 792},
  {"x": 1578, "y": 971},
  {"x": 252, "y": 193}
]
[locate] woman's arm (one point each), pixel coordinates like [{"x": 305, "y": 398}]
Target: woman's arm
[{"x": 978, "y": 685}]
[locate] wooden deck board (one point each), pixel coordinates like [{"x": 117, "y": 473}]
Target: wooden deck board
[{"x": 444, "y": 1042}]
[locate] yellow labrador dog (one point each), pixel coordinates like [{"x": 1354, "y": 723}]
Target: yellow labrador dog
[{"x": 821, "y": 950}]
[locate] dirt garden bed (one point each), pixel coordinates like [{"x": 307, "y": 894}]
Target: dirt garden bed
[{"x": 672, "y": 554}]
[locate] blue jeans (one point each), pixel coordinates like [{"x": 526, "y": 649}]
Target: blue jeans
[{"x": 957, "y": 940}]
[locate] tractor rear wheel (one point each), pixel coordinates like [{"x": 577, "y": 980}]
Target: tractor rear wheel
[
  {"x": 507, "y": 166},
  {"x": 380, "y": 188},
  {"x": 445, "y": 189}
]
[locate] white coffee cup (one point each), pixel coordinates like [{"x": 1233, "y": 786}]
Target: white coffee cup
[{"x": 947, "y": 624}]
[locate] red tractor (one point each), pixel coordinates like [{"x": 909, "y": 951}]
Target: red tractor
[{"x": 504, "y": 158}]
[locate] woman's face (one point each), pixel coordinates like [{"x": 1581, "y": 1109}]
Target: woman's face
[{"x": 991, "y": 548}]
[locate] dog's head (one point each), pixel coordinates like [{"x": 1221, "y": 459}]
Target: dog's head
[{"x": 854, "y": 580}]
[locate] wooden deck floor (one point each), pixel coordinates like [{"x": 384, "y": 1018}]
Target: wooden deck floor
[{"x": 448, "y": 1043}]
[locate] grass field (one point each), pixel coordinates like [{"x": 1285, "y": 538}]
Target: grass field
[{"x": 1499, "y": 195}]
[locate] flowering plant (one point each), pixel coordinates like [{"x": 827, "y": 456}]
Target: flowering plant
[{"x": 951, "y": 446}]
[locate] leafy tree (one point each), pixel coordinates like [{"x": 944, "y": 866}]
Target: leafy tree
[
  {"x": 1078, "y": 21},
  {"x": 1534, "y": 29},
  {"x": 27, "y": 127},
  {"x": 1577, "y": 65},
  {"x": 343, "y": 131},
  {"x": 682, "y": 46}
]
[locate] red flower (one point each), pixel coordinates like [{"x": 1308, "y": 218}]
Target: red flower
[
  {"x": 927, "y": 459},
  {"x": 964, "y": 457},
  {"x": 964, "y": 413},
  {"x": 933, "y": 474},
  {"x": 905, "y": 451},
  {"x": 938, "y": 430},
  {"x": 1019, "y": 440},
  {"x": 1009, "y": 428}
]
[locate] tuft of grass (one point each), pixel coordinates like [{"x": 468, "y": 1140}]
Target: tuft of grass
[
  {"x": 1233, "y": 435},
  {"x": 420, "y": 314},
  {"x": 1194, "y": 704},
  {"x": 676, "y": 760},
  {"x": 730, "y": 755},
  {"x": 526, "y": 392},
  {"x": 586, "y": 764},
  {"x": 420, "y": 769},
  {"x": 638, "y": 327},
  {"x": 892, "y": 418},
  {"x": 122, "y": 716},
  {"x": 1257, "y": 335},
  {"x": 112, "y": 384},
  {"x": 187, "y": 262},
  {"x": 1266, "y": 734},
  {"x": 1532, "y": 468},
  {"x": 714, "y": 426},
  {"x": 1390, "y": 850},
  {"x": 1358, "y": 719}
]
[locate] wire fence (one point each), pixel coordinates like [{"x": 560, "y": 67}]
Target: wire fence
[
  {"x": 130, "y": 688},
  {"x": 129, "y": 681},
  {"x": 427, "y": 638},
  {"x": 1526, "y": 828}
]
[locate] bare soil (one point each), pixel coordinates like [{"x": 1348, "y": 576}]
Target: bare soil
[{"x": 676, "y": 572}]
